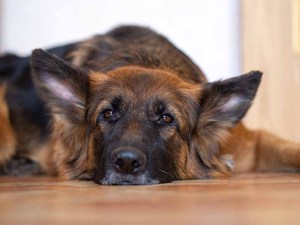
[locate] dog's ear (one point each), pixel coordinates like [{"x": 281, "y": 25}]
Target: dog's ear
[
  {"x": 228, "y": 101},
  {"x": 64, "y": 89},
  {"x": 222, "y": 105},
  {"x": 62, "y": 85}
]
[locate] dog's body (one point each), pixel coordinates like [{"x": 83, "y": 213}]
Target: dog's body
[{"x": 129, "y": 108}]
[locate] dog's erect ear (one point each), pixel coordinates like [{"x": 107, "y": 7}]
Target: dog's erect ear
[
  {"x": 228, "y": 101},
  {"x": 64, "y": 88},
  {"x": 62, "y": 85},
  {"x": 223, "y": 104}
]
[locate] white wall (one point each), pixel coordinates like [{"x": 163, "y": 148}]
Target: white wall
[{"x": 207, "y": 30}]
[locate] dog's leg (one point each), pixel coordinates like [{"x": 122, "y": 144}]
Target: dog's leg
[
  {"x": 276, "y": 154},
  {"x": 21, "y": 166},
  {"x": 7, "y": 138},
  {"x": 257, "y": 150}
]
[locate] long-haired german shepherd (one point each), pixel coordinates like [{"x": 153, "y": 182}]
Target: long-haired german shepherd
[{"x": 128, "y": 107}]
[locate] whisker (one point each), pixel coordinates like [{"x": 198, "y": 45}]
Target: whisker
[{"x": 166, "y": 173}]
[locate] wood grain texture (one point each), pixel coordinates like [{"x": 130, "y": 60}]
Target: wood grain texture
[
  {"x": 267, "y": 46},
  {"x": 245, "y": 199}
]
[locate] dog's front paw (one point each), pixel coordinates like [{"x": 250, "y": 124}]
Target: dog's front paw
[
  {"x": 222, "y": 166},
  {"x": 228, "y": 161},
  {"x": 20, "y": 166}
]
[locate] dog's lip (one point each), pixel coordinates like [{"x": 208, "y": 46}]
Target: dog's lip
[
  {"x": 125, "y": 182},
  {"x": 128, "y": 183},
  {"x": 118, "y": 179}
]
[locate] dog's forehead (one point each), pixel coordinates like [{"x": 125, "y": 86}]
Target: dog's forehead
[{"x": 141, "y": 83}]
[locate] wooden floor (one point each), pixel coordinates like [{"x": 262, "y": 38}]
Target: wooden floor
[{"x": 244, "y": 199}]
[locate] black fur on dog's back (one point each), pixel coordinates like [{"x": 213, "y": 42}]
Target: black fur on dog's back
[
  {"x": 27, "y": 114},
  {"x": 134, "y": 46},
  {"x": 12, "y": 67},
  {"x": 8, "y": 63}
]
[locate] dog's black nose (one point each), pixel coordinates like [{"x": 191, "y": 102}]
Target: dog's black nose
[{"x": 128, "y": 160}]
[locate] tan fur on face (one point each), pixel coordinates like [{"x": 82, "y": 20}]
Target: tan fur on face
[{"x": 181, "y": 100}]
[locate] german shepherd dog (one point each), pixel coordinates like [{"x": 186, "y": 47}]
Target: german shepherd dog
[{"x": 128, "y": 107}]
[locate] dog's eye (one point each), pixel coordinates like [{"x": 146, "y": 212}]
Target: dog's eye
[
  {"x": 167, "y": 118},
  {"x": 107, "y": 114}
]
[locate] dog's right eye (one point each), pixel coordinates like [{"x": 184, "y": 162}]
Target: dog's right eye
[{"x": 108, "y": 115}]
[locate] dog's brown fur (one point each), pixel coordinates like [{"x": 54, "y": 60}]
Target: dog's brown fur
[
  {"x": 140, "y": 66},
  {"x": 258, "y": 150},
  {"x": 7, "y": 137}
]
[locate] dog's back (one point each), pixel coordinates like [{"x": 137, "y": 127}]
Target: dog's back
[{"x": 134, "y": 46}]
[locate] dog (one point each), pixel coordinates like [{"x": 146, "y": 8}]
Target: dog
[{"x": 127, "y": 108}]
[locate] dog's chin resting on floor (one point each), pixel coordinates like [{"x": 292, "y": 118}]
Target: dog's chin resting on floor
[{"x": 128, "y": 107}]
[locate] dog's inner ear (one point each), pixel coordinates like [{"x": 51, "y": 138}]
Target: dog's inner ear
[
  {"x": 229, "y": 100},
  {"x": 61, "y": 89},
  {"x": 62, "y": 85}
]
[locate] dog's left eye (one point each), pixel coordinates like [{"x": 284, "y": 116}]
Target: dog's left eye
[
  {"x": 107, "y": 114},
  {"x": 167, "y": 118}
]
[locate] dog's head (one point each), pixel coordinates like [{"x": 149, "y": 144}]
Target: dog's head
[{"x": 135, "y": 125}]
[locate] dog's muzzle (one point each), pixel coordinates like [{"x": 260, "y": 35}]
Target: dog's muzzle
[{"x": 127, "y": 166}]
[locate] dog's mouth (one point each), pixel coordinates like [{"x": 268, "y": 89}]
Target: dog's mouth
[
  {"x": 126, "y": 179},
  {"x": 125, "y": 182},
  {"x": 128, "y": 182}
]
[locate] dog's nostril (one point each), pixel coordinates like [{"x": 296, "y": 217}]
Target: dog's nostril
[
  {"x": 128, "y": 161},
  {"x": 135, "y": 164},
  {"x": 119, "y": 162}
]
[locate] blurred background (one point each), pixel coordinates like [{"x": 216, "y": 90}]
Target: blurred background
[
  {"x": 207, "y": 30},
  {"x": 224, "y": 37}
]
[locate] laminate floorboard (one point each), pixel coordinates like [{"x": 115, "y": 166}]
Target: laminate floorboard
[{"x": 242, "y": 199}]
